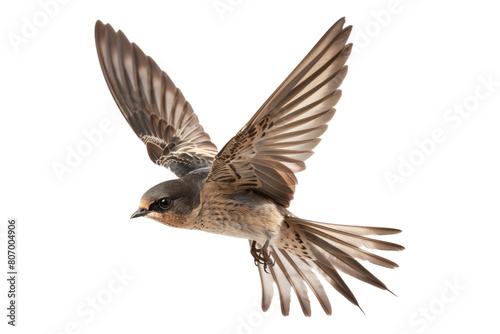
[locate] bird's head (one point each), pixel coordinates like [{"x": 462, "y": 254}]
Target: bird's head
[{"x": 171, "y": 203}]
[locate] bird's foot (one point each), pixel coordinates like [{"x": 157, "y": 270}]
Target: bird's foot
[{"x": 262, "y": 255}]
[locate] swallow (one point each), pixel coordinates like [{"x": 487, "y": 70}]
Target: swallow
[{"x": 244, "y": 190}]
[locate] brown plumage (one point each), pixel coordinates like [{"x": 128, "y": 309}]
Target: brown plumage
[
  {"x": 152, "y": 105},
  {"x": 244, "y": 190}
]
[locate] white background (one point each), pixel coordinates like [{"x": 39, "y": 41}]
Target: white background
[{"x": 410, "y": 67}]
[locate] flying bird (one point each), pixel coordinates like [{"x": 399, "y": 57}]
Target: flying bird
[{"x": 244, "y": 189}]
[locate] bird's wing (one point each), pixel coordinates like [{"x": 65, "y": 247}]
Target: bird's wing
[
  {"x": 274, "y": 144},
  {"x": 152, "y": 105}
]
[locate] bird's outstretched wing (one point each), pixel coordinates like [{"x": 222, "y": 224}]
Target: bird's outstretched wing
[
  {"x": 152, "y": 105},
  {"x": 274, "y": 144}
]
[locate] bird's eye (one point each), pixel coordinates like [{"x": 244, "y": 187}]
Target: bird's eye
[{"x": 165, "y": 203}]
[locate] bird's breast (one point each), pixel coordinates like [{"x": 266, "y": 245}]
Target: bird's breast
[{"x": 229, "y": 216}]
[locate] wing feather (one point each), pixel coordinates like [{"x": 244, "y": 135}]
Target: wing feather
[
  {"x": 274, "y": 144},
  {"x": 152, "y": 105}
]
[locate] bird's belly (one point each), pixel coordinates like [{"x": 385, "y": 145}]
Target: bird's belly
[{"x": 232, "y": 218}]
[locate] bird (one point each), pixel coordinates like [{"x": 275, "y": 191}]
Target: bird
[{"x": 245, "y": 189}]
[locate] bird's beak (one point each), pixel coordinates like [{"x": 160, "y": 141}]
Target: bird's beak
[{"x": 139, "y": 213}]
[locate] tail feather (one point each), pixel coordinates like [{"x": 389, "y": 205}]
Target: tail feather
[
  {"x": 304, "y": 270},
  {"x": 294, "y": 279},
  {"x": 305, "y": 246},
  {"x": 283, "y": 286},
  {"x": 352, "y": 229},
  {"x": 267, "y": 286},
  {"x": 354, "y": 239},
  {"x": 335, "y": 258},
  {"x": 332, "y": 276},
  {"x": 348, "y": 248}
]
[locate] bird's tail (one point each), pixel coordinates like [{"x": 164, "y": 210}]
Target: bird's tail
[{"x": 327, "y": 248}]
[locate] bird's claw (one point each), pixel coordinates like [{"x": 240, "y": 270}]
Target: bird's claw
[{"x": 262, "y": 256}]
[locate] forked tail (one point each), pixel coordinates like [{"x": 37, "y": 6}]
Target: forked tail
[{"x": 327, "y": 248}]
